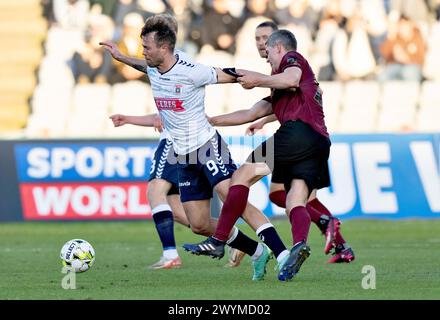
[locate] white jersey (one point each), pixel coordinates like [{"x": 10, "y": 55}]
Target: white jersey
[
  {"x": 180, "y": 98},
  {"x": 164, "y": 135}
]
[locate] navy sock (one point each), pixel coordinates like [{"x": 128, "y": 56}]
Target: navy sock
[
  {"x": 270, "y": 237},
  {"x": 165, "y": 228},
  {"x": 243, "y": 243}
]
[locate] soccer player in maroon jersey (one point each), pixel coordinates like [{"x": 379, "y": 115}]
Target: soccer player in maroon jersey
[
  {"x": 319, "y": 214},
  {"x": 299, "y": 149}
]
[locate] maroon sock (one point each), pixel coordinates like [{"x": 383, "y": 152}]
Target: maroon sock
[
  {"x": 339, "y": 239},
  {"x": 278, "y": 197},
  {"x": 318, "y": 206},
  {"x": 233, "y": 208},
  {"x": 321, "y": 220},
  {"x": 316, "y": 209},
  {"x": 300, "y": 220},
  {"x": 314, "y": 214}
]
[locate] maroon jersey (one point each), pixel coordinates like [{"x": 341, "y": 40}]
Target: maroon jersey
[{"x": 305, "y": 103}]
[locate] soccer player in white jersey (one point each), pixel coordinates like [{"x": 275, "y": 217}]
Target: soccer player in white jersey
[
  {"x": 163, "y": 186},
  {"x": 204, "y": 162},
  {"x": 163, "y": 191}
]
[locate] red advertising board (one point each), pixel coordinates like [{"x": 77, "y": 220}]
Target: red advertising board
[{"x": 80, "y": 201}]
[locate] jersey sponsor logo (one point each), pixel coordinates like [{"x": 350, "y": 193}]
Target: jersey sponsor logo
[
  {"x": 169, "y": 104},
  {"x": 292, "y": 62},
  {"x": 184, "y": 184}
]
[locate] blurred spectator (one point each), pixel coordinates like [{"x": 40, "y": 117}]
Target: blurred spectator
[
  {"x": 258, "y": 8},
  {"x": 403, "y": 52},
  {"x": 437, "y": 12},
  {"x": 299, "y": 13},
  {"x": 71, "y": 14},
  {"x": 415, "y": 10},
  {"x": 344, "y": 38},
  {"x": 236, "y": 8},
  {"x": 130, "y": 44},
  {"x": 387, "y": 6},
  {"x": 431, "y": 68},
  {"x": 151, "y": 7},
  {"x": 219, "y": 26},
  {"x": 351, "y": 51},
  {"x": 302, "y": 21},
  {"x": 328, "y": 27},
  {"x": 375, "y": 16},
  {"x": 90, "y": 64},
  {"x": 189, "y": 25},
  {"x": 332, "y": 11},
  {"x": 434, "y": 7},
  {"x": 303, "y": 36},
  {"x": 122, "y": 8},
  {"x": 106, "y": 7},
  {"x": 48, "y": 12}
]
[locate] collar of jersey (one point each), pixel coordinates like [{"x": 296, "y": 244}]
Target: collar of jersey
[{"x": 177, "y": 60}]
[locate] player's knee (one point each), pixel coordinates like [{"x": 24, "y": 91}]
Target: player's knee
[
  {"x": 180, "y": 217},
  {"x": 293, "y": 203},
  {"x": 201, "y": 229},
  {"x": 156, "y": 192},
  {"x": 297, "y": 195},
  {"x": 275, "y": 187},
  {"x": 244, "y": 174},
  {"x": 154, "y": 196},
  {"x": 312, "y": 195}
]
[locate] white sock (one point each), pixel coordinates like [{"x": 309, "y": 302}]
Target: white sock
[
  {"x": 170, "y": 253},
  {"x": 282, "y": 255},
  {"x": 161, "y": 207},
  {"x": 258, "y": 252}
]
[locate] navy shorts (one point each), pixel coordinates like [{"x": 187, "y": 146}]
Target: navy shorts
[
  {"x": 201, "y": 170},
  {"x": 164, "y": 165}
]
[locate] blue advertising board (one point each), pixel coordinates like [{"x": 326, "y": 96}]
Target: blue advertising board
[
  {"x": 373, "y": 176},
  {"x": 391, "y": 176}
]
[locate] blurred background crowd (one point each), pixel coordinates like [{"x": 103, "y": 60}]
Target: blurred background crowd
[{"x": 376, "y": 60}]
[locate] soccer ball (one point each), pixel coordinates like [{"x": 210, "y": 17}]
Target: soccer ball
[{"x": 77, "y": 254}]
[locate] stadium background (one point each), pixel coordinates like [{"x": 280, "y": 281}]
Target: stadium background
[{"x": 60, "y": 157}]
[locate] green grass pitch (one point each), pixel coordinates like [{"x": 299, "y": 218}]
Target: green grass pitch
[{"x": 405, "y": 255}]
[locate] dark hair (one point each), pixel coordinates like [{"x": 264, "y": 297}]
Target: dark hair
[
  {"x": 164, "y": 31},
  {"x": 269, "y": 24},
  {"x": 285, "y": 38}
]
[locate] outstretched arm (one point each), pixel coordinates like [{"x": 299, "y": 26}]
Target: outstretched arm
[
  {"x": 289, "y": 78},
  {"x": 250, "y": 131},
  {"x": 137, "y": 63},
  {"x": 151, "y": 120},
  {"x": 260, "y": 109},
  {"x": 223, "y": 77}
]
